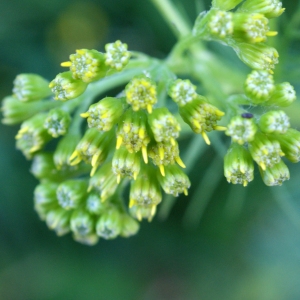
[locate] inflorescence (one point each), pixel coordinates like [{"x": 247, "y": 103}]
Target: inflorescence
[{"x": 133, "y": 138}]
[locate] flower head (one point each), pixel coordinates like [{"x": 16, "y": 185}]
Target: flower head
[
  {"x": 182, "y": 91},
  {"x": 58, "y": 220},
  {"x": 274, "y": 121},
  {"x": 57, "y": 122},
  {"x": 283, "y": 95},
  {"x": 275, "y": 175},
  {"x": 117, "y": 56}
]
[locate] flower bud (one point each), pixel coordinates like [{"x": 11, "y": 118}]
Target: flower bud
[
  {"x": 270, "y": 8},
  {"x": 283, "y": 95},
  {"x": 65, "y": 87},
  {"x": 175, "y": 181},
  {"x": 89, "y": 239},
  {"x": 30, "y": 87},
  {"x": 265, "y": 152},
  {"x": 238, "y": 165},
  {"x": 87, "y": 65},
  {"x": 164, "y": 125},
  {"x": 225, "y": 4},
  {"x": 109, "y": 225},
  {"x": 201, "y": 116},
  {"x": 104, "y": 114},
  {"x": 130, "y": 226},
  {"x": 274, "y": 122},
  {"x": 126, "y": 164},
  {"x": 132, "y": 132},
  {"x": 94, "y": 205},
  {"x": 141, "y": 93},
  {"x": 143, "y": 212},
  {"x": 241, "y": 130},
  {"x": 58, "y": 220},
  {"x": 259, "y": 86},
  {"x": 32, "y": 136},
  {"x": 57, "y": 122},
  {"x": 275, "y": 175},
  {"x": 116, "y": 56},
  {"x": 71, "y": 193},
  {"x": 182, "y": 91},
  {"x": 81, "y": 223}
]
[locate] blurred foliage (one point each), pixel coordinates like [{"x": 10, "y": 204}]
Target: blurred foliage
[{"x": 245, "y": 246}]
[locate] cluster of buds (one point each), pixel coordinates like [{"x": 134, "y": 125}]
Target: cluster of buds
[{"x": 245, "y": 29}]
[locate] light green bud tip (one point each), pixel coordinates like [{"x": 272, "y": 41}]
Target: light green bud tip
[
  {"x": 82, "y": 223},
  {"x": 109, "y": 224},
  {"x": 94, "y": 205},
  {"x": 141, "y": 93},
  {"x": 58, "y": 220},
  {"x": 225, "y": 4},
  {"x": 65, "y": 87},
  {"x": 130, "y": 226},
  {"x": 289, "y": 143},
  {"x": 32, "y": 136},
  {"x": 257, "y": 56},
  {"x": 275, "y": 175},
  {"x": 30, "y": 87},
  {"x": 201, "y": 116},
  {"x": 87, "y": 65},
  {"x": 71, "y": 193},
  {"x": 57, "y": 122},
  {"x": 283, "y": 95},
  {"x": 259, "y": 86},
  {"x": 175, "y": 181},
  {"x": 265, "y": 152},
  {"x": 126, "y": 164},
  {"x": 88, "y": 239},
  {"x": 241, "y": 130},
  {"x": 270, "y": 8},
  {"x": 132, "y": 132},
  {"x": 182, "y": 91},
  {"x": 274, "y": 122},
  {"x": 104, "y": 114},
  {"x": 116, "y": 55},
  {"x": 104, "y": 181},
  {"x": 238, "y": 165},
  {"x": 252, "y": 28},
  {"x": 164, "y": 125}
]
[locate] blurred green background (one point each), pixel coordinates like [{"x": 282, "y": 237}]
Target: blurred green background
[{"x": 246, "y": 244}]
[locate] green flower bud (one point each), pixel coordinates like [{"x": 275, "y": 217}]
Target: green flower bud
[
  {"x": 65, "y": 87},
  {"x": 32, "y": 136},
  {"x": 132, "y": 132},
  {"x": 141, "y": 93},
  {"x": 225, "y": 4},
  {"x": 15, "y": 111},
  {"x": 182, "y": 91},
  {"x": 58, "y": 220},
  {"x": 283, "y": 95},
  {"x": 270, "y": 8},
  {"x": 238, "y": 165},
  {"x": 241, "y": 130},
  {"x": 89, "y": 239},
  {"x": 109, "y": 225},
  {"x": 275, "y": 175},
  {"x": 104, "y": 114},
  {"x": 257, "y": 56},
  {"x": 71, "y": 193},
  {"x": 65, "y": 147},
  {"x": 45, "y": 198},
  {"x": 201, "y": 116},
  {"x": 126, "y": 164},
  {"x": 82, "y": 223},
  {"x": 215, "y": 24},
  {"x": 57, "y": 122},
  {"x": 87, "y": 65},
  {"x": 143, "y": 212},
  {"x": 252, "y": 28},
  {"x": 164, "y": 125},
  {"x": 130, "y": 226},
  {"x": 104, "y": 181},
  {"x": 164, "y": 154},
  {"x": 274, "y": 122},
  {"x": 116, "y": 56},
  {"x": 259, "y": 86},
  {"x": 289, "y": 143},
  {"x": 94, "y": 205},
  {"x": 145, "y": 190},
  {"x": 30, "y": 87},
  {"x": 265, "y": 152},
  {"x": 175, "y": 181}
]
